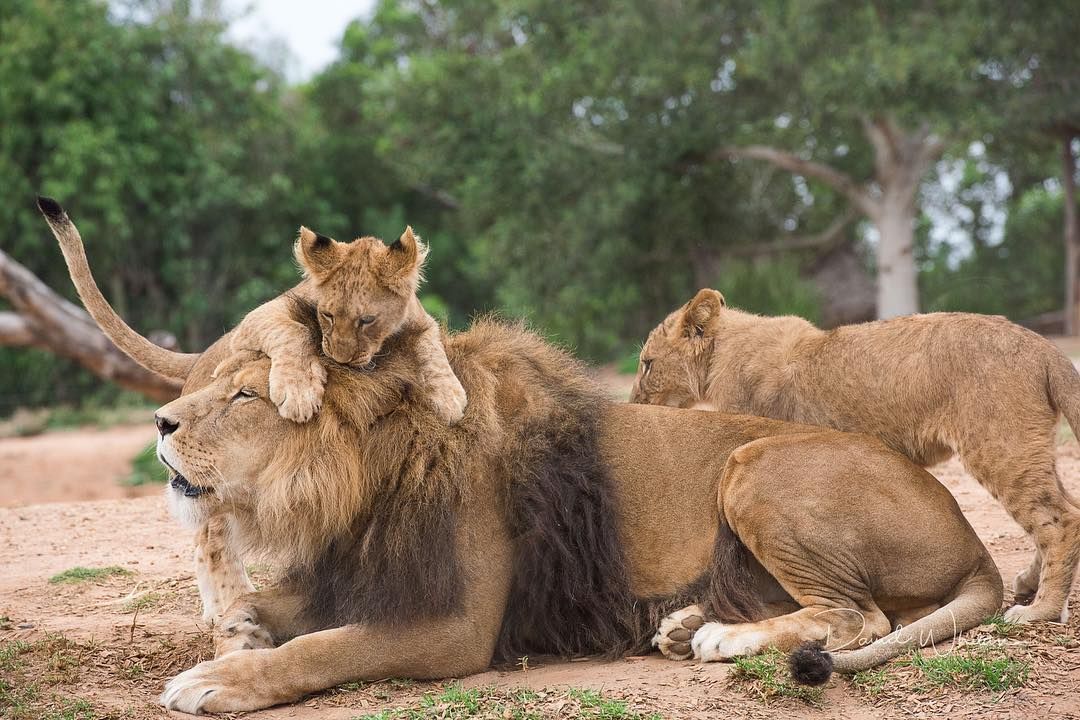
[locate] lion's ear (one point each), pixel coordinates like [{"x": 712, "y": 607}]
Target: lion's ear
[
  {"x": 316, "y": 254},
  {"x": 405, "y": 261},
  {"x": 703, "y": 308}
]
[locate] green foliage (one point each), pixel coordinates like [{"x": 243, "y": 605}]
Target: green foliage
[
  {"x": 973, "y": 669},
  {"x": 767, "y": 677},
  {"x": 559, "y": 158},
  {"x": 770, "y": 287},
  {"x": 84, "y": 574},
  {"x": 146, "y": 468},
  {"x": 457, "y": 702}
]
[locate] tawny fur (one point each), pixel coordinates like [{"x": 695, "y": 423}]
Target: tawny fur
[
  {"x": 365, "y": 292},
  {"x": 926, "y": 385},
  {"x": 660, "y": 473}
]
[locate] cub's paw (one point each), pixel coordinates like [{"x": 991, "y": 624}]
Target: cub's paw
[
  {"x": 715, "y": 642},
  {"x": 296, "y": 387},
  {"x": 1038, "y": 612},
  {"x": 450, "y": 401},
  {"x": 228, "y": 684},
  {"x": 240, "y": 630},
  {"x": 676, "y": 631}
]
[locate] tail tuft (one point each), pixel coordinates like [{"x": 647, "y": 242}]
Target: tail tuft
[
  {"x": 810, "y": 664},
  {"x": 51, "y": 209}
]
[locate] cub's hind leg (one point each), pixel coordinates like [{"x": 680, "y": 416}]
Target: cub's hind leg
[{"x": 1024, "y": 479}]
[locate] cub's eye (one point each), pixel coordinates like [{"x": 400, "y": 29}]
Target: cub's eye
[
  {"x": 646, "y": 366},
  {"x": 245, "y": 393},
  {"x": 366, "y": 320}
]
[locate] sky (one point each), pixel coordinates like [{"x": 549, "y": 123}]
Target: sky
[{"x": 310, "y": 29}]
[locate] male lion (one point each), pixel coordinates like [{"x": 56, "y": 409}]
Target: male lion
[
  {"x": 926, "y": 385},
  {"x": 548, "y": 520}
]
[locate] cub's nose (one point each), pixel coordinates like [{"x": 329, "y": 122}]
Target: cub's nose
[{"x": 165, "y": 426}]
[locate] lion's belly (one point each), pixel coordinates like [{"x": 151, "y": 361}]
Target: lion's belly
[{"x": 666, "y": 466}]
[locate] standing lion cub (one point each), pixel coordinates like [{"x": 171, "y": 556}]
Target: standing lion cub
[
  {"x": 927, "y": 385},
  {"x": 365, "y": 292}
]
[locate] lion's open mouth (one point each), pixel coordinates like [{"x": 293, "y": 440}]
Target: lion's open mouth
[{"x": 181, "y": 484}]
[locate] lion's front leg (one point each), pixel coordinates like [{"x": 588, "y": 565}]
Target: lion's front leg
[
  {"x": 260, "y": 620},
  {"x": 219, "y": 571}
]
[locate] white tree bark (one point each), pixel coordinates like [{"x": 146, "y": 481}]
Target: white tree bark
[
  {"x": 901, "y": 159},
  {"x": 1072, "y": 239}
]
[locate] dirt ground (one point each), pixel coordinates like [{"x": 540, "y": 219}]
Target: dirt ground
[{"x": 125, "y": 634}]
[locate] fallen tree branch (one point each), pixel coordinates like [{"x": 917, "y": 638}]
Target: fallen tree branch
[{"x": 45, "y": 320}]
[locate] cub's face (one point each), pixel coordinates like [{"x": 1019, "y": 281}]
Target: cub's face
[
  {"x": 664, "y": 367},
  {"x": 356, "y": 316},
  {"x": 364, "y": 290},
  {"x": 674, "y": 359},
  {"x": 216, "y": 441}
]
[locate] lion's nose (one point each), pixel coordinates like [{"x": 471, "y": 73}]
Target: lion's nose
[{"x": 165, "y": 426}]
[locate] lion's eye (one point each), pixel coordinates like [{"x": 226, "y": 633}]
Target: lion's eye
[
  {"x": 366, "y": 320},
  {"x": 327, "y": 318},
  {"x": 245, "y": 393}
]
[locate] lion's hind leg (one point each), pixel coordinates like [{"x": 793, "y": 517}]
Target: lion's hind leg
[{"x": 834, "y": 627}]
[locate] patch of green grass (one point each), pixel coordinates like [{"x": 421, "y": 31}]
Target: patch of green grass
[
  {"x": 10, "y": 653},
  {"x": 146, "y": 469},
  {"x": 455, "y": 702},
  {"x": 143, "y": 602},
  {"x": 971, "y": 669},
  {"x": 872, "y": 682},
  {"x": 767, "y": 676},
  {"x": 82, "y": 574},
  {"x": 1002, "y": 627},
  {"x": 71, "y": 710},
  {"x": 99, "y": 416},
  {"x": 18, "y": 703}
]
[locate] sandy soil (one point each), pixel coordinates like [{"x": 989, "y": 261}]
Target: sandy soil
[
  {"x": 130, "y": 632},
  {"x": 72, "y": 465}
]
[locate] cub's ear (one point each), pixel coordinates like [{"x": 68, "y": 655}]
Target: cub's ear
[
  {"x": 703, "y": 308},
  {"x": 316, "y": 254},
  {"x": 405, "y": 261}
]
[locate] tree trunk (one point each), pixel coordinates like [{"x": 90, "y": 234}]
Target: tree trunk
[
  {"x": 901, "y": 159},
  {"x": 1072, "y": 239},
  {"x": 45, "y": 320},
  {"x": 897, "y": 278}
]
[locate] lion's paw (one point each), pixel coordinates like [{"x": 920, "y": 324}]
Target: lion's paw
[
  {"x": 450, "y": 401},
  {"x": 240, "y": 630},
  {"x": 676, "y": 631},
  {"x": 715, "y": 642},
  {"x": 296, "y": 387},
  {"x": 1037, "y": 613},
  {"x": 227, "y": 684}
]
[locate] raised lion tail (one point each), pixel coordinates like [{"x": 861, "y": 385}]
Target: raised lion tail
[{"x": 172, "y": 365}]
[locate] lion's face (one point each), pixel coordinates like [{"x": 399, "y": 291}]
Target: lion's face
[
  {"x": 217, "y": 440},
  {"x": 674, "y": 359}
]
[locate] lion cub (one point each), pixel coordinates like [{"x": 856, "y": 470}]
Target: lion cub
[
  {"x": 365, "y": 292},
  {"x": 927, "y": 385}
]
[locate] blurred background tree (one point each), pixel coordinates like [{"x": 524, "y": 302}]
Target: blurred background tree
[{"x": 588, "y": 166}]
